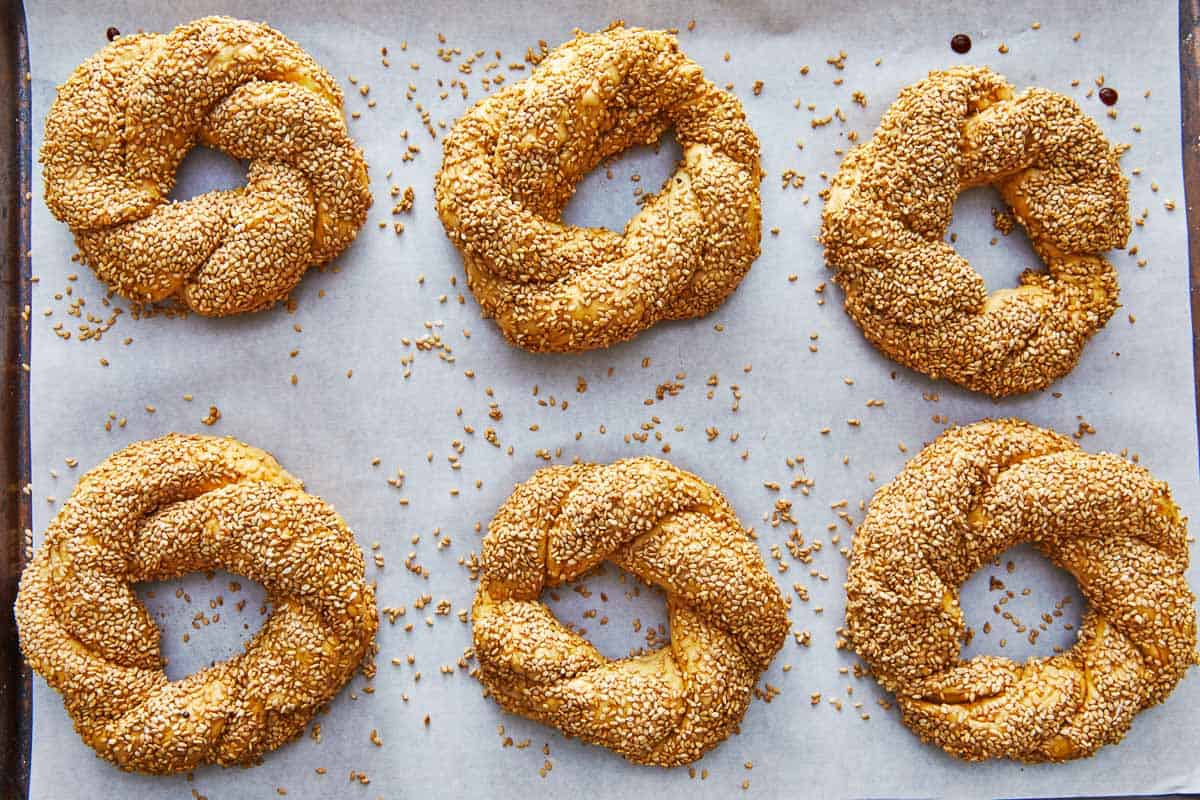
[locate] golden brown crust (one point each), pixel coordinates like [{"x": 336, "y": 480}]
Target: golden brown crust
[
  {"x": 162, "y": 508},
  {"x": 668, "y": 527},
  {"x": 513, "y": 160},
  {"x": 127, "y": 116},
  {"x": 888, "y": 209},
  {"x": 972, "y": 494}
]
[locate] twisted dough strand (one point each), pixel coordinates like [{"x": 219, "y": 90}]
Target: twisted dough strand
[
  {"x": 891, "y": 202},
  {"x": 972, "y": 494},
  {"x": 668, "y": 527},
  {"x": 513, "y": 161},
  {"x": 162, "y": 508},
  {"x": 125, "y": 119}
]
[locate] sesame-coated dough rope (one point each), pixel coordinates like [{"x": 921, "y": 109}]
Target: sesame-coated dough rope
[
  {"x": 668, "y": 527},
  {"x": 162, "y": 508},
  {"x": 890, "y": 204},
  {"x": 973, "y": 493},
  {"x": 513, "y": 161},
  {"x": 124, "y": 120}
]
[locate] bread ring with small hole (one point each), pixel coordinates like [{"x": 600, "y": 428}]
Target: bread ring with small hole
[
  {"x": 513, "y": 161},
  {"x": 973, "y": 493},
  {"x": 162, "y": 508},
  {"x": 125, "y": 119},
  {"x": 890, "y": 204},
  {"x": 668, "y": 527}
]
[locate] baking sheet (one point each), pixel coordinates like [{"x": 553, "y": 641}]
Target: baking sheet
[{"x": 1133, "y": 389}]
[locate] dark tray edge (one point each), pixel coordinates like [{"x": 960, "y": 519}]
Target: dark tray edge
[
  {"x": 1189, "y": 87},
  {"x": 15, "y": 289}
]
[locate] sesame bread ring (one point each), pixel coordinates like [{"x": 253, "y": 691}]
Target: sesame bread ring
[
  {"x": 513, "y": 161},
  {"x": 972, "y": 494},
  {"x": 668, "y": 527},
  {"x": 889, "y": 206},
  {"x": 125, "y": 119},
  {"x": 162, "y": 508}
]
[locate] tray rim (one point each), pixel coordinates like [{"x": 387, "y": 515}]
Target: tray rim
[
  {"x": 1189, "y": 88},
  {"x": 16, "y": 723}
]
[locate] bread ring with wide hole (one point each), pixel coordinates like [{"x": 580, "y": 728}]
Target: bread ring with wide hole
[
  {"x": 668, "y": 527},
  {"x": 162, "y": 508},
  {"x": 890, "y": 204},
  {"x": 972, "y": 494},
  {"x": 125, "y": 119},
  {"x": 513, "y": 161}
]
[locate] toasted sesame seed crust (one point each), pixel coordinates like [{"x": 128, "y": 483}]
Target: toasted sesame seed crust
[
  {"x": 514, "y": 159},
  {"x": 668, "y": 527},
  {"x": 915, "y": 298},
  {"x": 127, "y": 116},
  {"x": 162, "y": 508},
  {"x": 970, "y": 495}
]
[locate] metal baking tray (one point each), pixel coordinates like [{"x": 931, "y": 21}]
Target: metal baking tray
[
  {"x": 15, "y": 718},
  {"x": 16, "y": 195}
]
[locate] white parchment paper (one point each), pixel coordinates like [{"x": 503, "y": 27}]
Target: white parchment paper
[{"x": 1133, "y": 389}]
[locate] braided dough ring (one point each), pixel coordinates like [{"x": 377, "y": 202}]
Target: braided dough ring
[
  {"x": 668, "y": 527},
  {"x": 917, "y": 300},
  {"x": 967, "y": 497},
  {"x": 162, "y": 508},
  {"x": 513, "y": 160},
  {"x": 127, "y": 116}
]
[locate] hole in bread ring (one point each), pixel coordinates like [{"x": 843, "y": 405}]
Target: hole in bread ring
[
  {"x": 968, "y": 496},
  {"x": 203, "y": 617},
  {"x": 890, "y": 204}
]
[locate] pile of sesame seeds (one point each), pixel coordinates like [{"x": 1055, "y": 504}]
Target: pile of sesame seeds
[
  {"x": 916, "y": 299},
  {"x": 513, "y": 161}
]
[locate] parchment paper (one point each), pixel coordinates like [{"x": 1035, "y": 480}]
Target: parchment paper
[{"x": 1133, "y": 388}]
